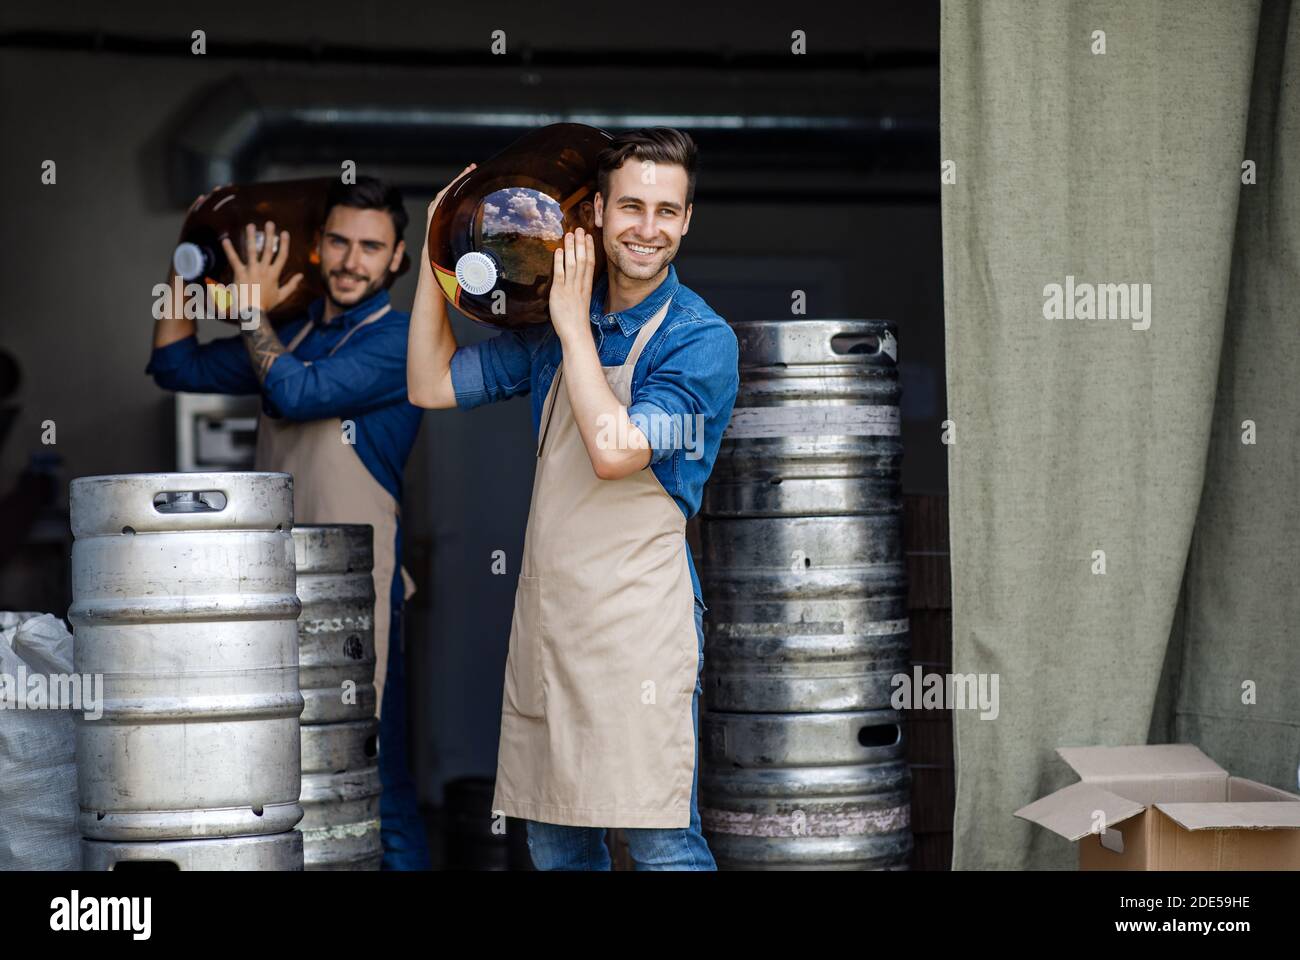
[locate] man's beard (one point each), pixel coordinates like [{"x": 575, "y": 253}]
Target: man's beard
[
  {"x": 364, "y": 293},
  {"x": 619, "y": 260}
]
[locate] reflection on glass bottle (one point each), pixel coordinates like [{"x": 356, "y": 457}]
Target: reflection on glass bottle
[
  {"x": 493, "y": 237},
  {"x": 294, "y": 205}
]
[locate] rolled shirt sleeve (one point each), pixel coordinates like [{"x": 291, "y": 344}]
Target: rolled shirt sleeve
[
  {"x": 663, "y": 431},
  {"x": 691, "y": 387},
  {"x": 495, "y": 369},
  {"x": 219, "y": 366}
]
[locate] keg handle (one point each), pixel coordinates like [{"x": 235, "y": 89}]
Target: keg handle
[
  {"x": 141, "y": 865},
  {"x": 865, "y": 345},
  {"x": 873, "y": 735},
  {"x": 846, "y": 344},
  {"x": 189, "y": 501}
]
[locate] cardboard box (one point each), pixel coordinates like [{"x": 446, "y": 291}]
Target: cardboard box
[{"x": 1168, "y": 807}]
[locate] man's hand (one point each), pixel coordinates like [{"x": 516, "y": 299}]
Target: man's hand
[
  {"x": 428, "y": 220},
  {"x": 571, "y": 281},
  {"x": 602, "y": 419},
  {"x": 430, "y": 342},
  {"x": 442, "y": 193},
  {"x": 262, "y": 272}
]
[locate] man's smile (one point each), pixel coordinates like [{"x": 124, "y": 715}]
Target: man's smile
[{"x": 642, "y": 249}]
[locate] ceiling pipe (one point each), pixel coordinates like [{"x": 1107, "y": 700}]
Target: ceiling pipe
[{"x": 781, "y": 143}]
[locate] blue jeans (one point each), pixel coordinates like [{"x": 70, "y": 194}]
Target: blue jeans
[
  {"x": 558, "y": 847},
  {"x": 406, "y": 844}
]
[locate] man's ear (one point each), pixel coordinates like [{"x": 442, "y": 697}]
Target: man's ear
[
  {"x": 395, "y": 264},
  {"x": 686, "y": 222},
  {"x": 600, "y": 210}
]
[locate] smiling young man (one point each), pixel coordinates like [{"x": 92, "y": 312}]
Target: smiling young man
[
  {"x": 335, "y": 414},
  {"x": 600, "y": 716}
]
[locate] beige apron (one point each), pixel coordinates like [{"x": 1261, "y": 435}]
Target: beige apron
[
  {"x": 332, "y": 485},
  {"x": 596, "y": 726}
]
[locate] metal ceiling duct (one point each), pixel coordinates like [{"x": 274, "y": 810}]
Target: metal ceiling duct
[{"x": 772, "y": 134}]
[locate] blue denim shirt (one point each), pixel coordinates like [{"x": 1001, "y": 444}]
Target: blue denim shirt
[
  {"x": 688, "y": 369},
  {"x": 364, "y": 382}
]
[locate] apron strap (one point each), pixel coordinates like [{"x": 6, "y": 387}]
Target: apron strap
[
  {"x": 550, "y": 408},
  {"x": 642, "y": 338},
  {"x": 370, "y": 319},
  {"x": 307, "y": 328},
  {"x": 645, "y": 333}
]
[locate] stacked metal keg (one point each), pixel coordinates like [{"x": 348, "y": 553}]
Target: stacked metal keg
[
  {"x": 336, "y": 649},
  {"x": 802, "y": 762},
  {"x": 184, "y": 602}
]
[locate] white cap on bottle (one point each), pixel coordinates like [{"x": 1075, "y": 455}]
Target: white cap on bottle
[
  {"x": 187, "y": 259},
  {"x": 476, "y": 273}
]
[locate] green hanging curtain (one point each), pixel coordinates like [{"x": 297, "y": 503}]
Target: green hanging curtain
[{"x": 1121, "y": 236}]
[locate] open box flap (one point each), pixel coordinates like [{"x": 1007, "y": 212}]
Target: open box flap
[
  {"x": 1071, "y": 811},
  {"x": 1240, "y": 789},
  {"x": 1276, "y": 815},
  {"x": 1167, "y": 772}
]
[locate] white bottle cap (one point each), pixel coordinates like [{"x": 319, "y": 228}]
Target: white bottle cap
[
  {"x": 476, "y": 273},
  {"x": 188, "y": 261}
]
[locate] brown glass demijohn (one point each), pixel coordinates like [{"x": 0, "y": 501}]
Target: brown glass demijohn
[
  {"x": 493, "y": 237},
  {"x": 297, "y": 206}
]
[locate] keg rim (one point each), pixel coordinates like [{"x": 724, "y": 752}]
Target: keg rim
[{"x": 127, "y": 503}]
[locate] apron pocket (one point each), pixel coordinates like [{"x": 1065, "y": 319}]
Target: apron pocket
[{"x": 523, "y": 690}]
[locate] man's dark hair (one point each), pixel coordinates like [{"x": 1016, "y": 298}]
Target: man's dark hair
[
  {"x": 369, "y": 193},
  {"x": 656, "y": 144}
]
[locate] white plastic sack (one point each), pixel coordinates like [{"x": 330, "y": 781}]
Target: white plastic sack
[{"x": 38, "y": 772}]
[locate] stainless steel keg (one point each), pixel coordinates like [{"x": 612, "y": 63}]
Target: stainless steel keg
[
  {"x": 279, "y": 851},
  {"x": 183, "y": 599},
  {"x": 803, "y": 564},
  {"x": 336, "y": 630},
  {"x": 802, "y": 764},
  {"x": 805, "y": 791},
  {"x": 816, "y": 427},
  {"x": 805, "y": 613},
  {"x": 340, "y": 796}
]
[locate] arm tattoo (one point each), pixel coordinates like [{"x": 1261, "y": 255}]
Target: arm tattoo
[{"x": 263, "y": 346}]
